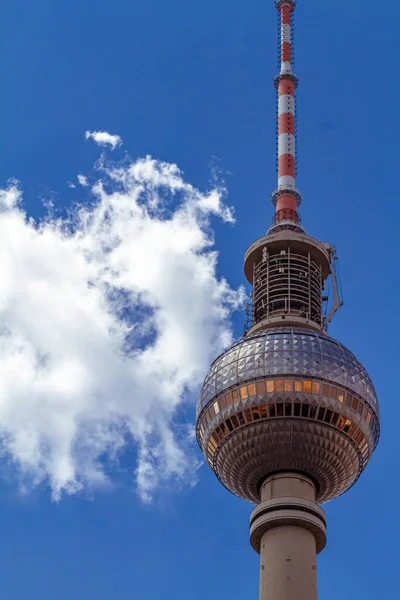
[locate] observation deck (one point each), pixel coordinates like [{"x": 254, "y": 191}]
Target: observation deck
[{"x": 288, "y": 270}]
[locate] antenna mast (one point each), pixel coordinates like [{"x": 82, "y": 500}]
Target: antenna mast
[{"x": 286, "y": 198}]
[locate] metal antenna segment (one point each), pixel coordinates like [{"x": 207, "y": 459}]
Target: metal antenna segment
[{"x": 286, "y": 198}]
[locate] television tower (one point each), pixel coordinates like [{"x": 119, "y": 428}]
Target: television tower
[{"x": 287, "y": 417}]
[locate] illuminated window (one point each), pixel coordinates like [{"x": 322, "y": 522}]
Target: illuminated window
[
  {"x": 347, "y": 425},
  {"x": 297, "y": 409},
  {"x": 333, "y": 392},
  {"x": 263, "y": 411},
  {"x": 235, "y": 422},
  {"x": 241, "y": 418},
  {"x": 304, "y": 410},
  {"x": 325, "y": 390},
  {"x": 212, "y": 443},
  {"x": 249, "y": 416},
  {"x": 271, "y": 408},
  {"x": 298, "y": 386},
  {"x": 288, "y": 409},
  {"x": 352, "y": 430},
  {"x": 316, "y": 387},
  {"x": 342, "y": 422},
  {"x": 252, "y": 389},
  {"x": 356, "y": 435},
  {"x": 341, "y": 397},
  {"x": 260, "y": 387},
  {"x": 354, "y": 404},
  {"x": 228, "y": 399},
  {"x": 307, "y": 386},
  {"x": 235, "y": 395},
  {"x": 216, "y": 407},
  {"x": 279, "y": 385},
  {"x": 288, "y": 385},
  {"x": 270, "y": 386},
  {"x": 211, "y": 450},
  {"x": 313, "y": 412},
  {"x": 243, "y": 392},
  {"x": 215, "y": 439}
]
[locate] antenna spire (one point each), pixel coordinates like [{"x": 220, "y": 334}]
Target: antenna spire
[{"x": 286, "y": 198}]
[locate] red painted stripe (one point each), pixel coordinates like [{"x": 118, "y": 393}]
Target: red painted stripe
[
  {"x": 286, "y": 86},
  {"x": 287, "y": 213},
  {"x": 285, "y": 52},
  {"x": 286, "y": 123},
  {"x": 285, "y": 14},
  {"x": 286, "y": 165},
  {"x": 286, "y": 201}
]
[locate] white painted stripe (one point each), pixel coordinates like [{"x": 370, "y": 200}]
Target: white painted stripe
[
  {"x": 286, "y": 144},
  {"x": 286, "y": 181},
  {"x": 286, "y": 68},
  {"x": 285, "y": 33},
  {"x": 286, "y": 104},
  {"x": 287, "y": 188}
]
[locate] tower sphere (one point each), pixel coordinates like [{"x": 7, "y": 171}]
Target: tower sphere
[{"x": 287, "y": 399}]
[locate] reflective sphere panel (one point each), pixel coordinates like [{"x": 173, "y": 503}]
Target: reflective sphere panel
[{"x": 287, "y": 399}]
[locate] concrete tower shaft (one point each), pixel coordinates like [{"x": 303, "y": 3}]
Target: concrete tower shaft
[{"x": 288, "y": 529}]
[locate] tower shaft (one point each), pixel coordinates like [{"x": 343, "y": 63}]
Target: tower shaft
[
  {"x": 288, "y": 529},
  {"x": 287, "y": 564}
]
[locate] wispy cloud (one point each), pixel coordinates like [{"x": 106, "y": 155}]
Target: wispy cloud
[
  {"x": 103, "y": 138},
  {"x": 108, "y": 320},
  {"x": 83, "y": 180}
]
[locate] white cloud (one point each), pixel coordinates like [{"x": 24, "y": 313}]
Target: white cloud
[
  {"x": 107, "y": 321},
  {"x": 10, "y": 198},
  {"x": 71, "y": 185},
  {"x": 103, "y": 138},
  {"x": 83, "y": 180}
]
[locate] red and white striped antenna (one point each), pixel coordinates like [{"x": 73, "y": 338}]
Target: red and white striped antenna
[{"x": 286, "y": 198}]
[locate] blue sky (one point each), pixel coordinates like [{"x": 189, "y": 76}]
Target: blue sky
[{"x": 190, "y": 83}]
